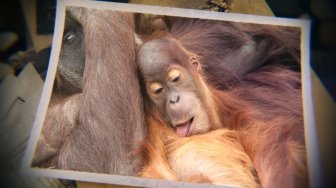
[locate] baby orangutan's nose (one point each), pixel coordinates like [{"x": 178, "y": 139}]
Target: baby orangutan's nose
[{"x": 174, "y": 98}]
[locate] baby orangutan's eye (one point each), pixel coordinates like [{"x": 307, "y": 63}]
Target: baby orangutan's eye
[
  {"x": 156, "y": 88},
  {"x": 174, "y": 75}
]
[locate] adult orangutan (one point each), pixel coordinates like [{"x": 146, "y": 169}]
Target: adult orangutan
[{"x": 100, "y": 125}]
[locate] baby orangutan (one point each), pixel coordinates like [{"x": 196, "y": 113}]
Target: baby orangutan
[
  {"x": 183, "y": 111},
  {"x": 175, "y": 110}
]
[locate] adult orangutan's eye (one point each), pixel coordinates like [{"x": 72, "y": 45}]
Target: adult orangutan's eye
[{"x": 70, "y": 37}]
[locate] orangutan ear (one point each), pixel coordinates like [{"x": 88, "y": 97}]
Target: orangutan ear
[
  {"x": 138, "y": 40},
  {"x": 195, "y": 63}
]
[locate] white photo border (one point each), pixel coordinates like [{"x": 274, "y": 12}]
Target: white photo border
[{"x": 312, "y": 148}]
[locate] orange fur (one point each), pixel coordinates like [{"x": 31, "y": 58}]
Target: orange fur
[
  {"x": 155, "y": 152},
  {"x": 267, "y": 112},
  {"x": 216, "y": 157},
  {"x": 268, "y": 119}
]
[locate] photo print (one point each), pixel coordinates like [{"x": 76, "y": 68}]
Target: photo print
[{"x": 154, "y": 96}]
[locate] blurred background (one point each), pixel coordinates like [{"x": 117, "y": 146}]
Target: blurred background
[{"x": 26, "y": 28}]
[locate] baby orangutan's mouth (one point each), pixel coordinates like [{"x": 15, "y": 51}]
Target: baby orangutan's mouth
[{"x": 183, "y": 129}]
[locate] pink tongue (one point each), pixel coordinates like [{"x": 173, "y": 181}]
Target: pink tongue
[{"x": 182, "y": 130}]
